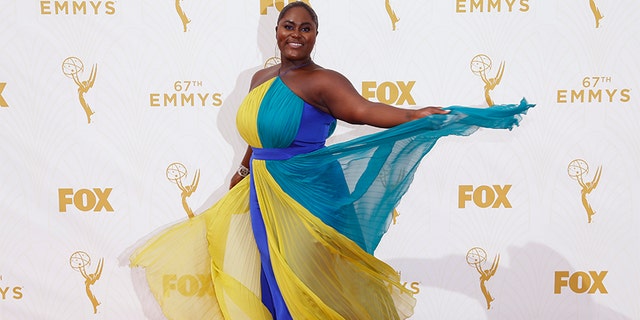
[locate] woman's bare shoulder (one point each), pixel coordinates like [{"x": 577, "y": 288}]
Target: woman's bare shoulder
[
  {"x": 326, "y": 74},
  {"x": 324, "y": 86},
  {"x": 327, "y": 79}
]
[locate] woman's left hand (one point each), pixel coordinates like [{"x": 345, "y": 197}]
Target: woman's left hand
[{"x": 427, "y": 111}]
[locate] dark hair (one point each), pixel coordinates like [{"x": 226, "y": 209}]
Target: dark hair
[{"x": 302, "y": 4}]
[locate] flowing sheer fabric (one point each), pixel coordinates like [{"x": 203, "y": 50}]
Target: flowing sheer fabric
[
  {"x": 207, "y": 267},
  {"x": 377, "y": 169},
  {"x": 324, "y": 211}
]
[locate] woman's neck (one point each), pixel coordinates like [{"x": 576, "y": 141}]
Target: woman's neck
[{"x": 286, "y": 66}]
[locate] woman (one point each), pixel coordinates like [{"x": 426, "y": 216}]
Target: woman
[{"x": 295, "y": 239}]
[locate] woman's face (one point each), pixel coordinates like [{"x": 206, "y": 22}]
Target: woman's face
[{"x": 296, "y": 34}]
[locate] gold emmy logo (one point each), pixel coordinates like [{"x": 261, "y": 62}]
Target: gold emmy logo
[
  {"x": 183, "y": 16},
  {"x": 271, "y": 62},
  {"x": 392, "y": 14},
  {"x": 79, "y": 261},
  {"x": 3, "y": 102},
  {"x": 175, "y": 173},
  {"x": 480, "y": 64},
  {"x": 73, "y": 66},
  {"x": 596, "y": 12},
  {"x": 577, "y": 169},
  {"x": 395, "y": 216},
  {"x": 279, "y": 4},
  {"x": 476, "y": 257}
]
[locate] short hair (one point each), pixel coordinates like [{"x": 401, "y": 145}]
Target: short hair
[{"x": 302, "y": 4}]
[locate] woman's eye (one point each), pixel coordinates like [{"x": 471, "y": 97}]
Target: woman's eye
[
  {"x": 288, "y": 27},
  {"x": 306, "y": 29}
]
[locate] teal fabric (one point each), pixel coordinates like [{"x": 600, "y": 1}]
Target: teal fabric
[
  {"x": 279, "y": 116},
  {"x": 355, "y": 185}
]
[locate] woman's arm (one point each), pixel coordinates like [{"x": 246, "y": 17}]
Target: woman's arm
[{"x": 340, "y": 98}]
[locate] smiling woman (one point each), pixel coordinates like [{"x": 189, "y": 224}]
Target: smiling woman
[
  {"x": 296, "y": 34},
  {"x": 295, "y": 240}
]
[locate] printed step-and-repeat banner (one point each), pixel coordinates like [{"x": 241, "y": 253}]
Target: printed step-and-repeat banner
[{"x": 118, "y": 119}]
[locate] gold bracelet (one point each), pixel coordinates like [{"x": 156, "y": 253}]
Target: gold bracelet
[{"x": 243, "y": 171}]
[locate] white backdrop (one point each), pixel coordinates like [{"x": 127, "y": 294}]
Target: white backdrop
[{"x": 164, "y": 95}]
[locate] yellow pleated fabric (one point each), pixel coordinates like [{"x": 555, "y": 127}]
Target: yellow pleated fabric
[
  {"x": 321, "y": 273},
  {"x": 207, "y": 267},
  {"x": 248, "y": 113}
]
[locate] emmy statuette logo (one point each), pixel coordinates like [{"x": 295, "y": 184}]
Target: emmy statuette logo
[
  {"x": 271, "y": 62},
  {"x": 72, "y": 67},
  {"x": 183, "y": 16},
  {"x": 597, "y": 15},
  {"x": 175, "y": 173},
  {"x": 395, "y": 216},
  {"x": 3, "y": 102},
  {"x": 577, "y": 170},
  {"x": 392, "y": 14},
  {"x": 476, "y": 257},
  {"x": 80, "y": 261},
  {"x": 480, "y": 65}
]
